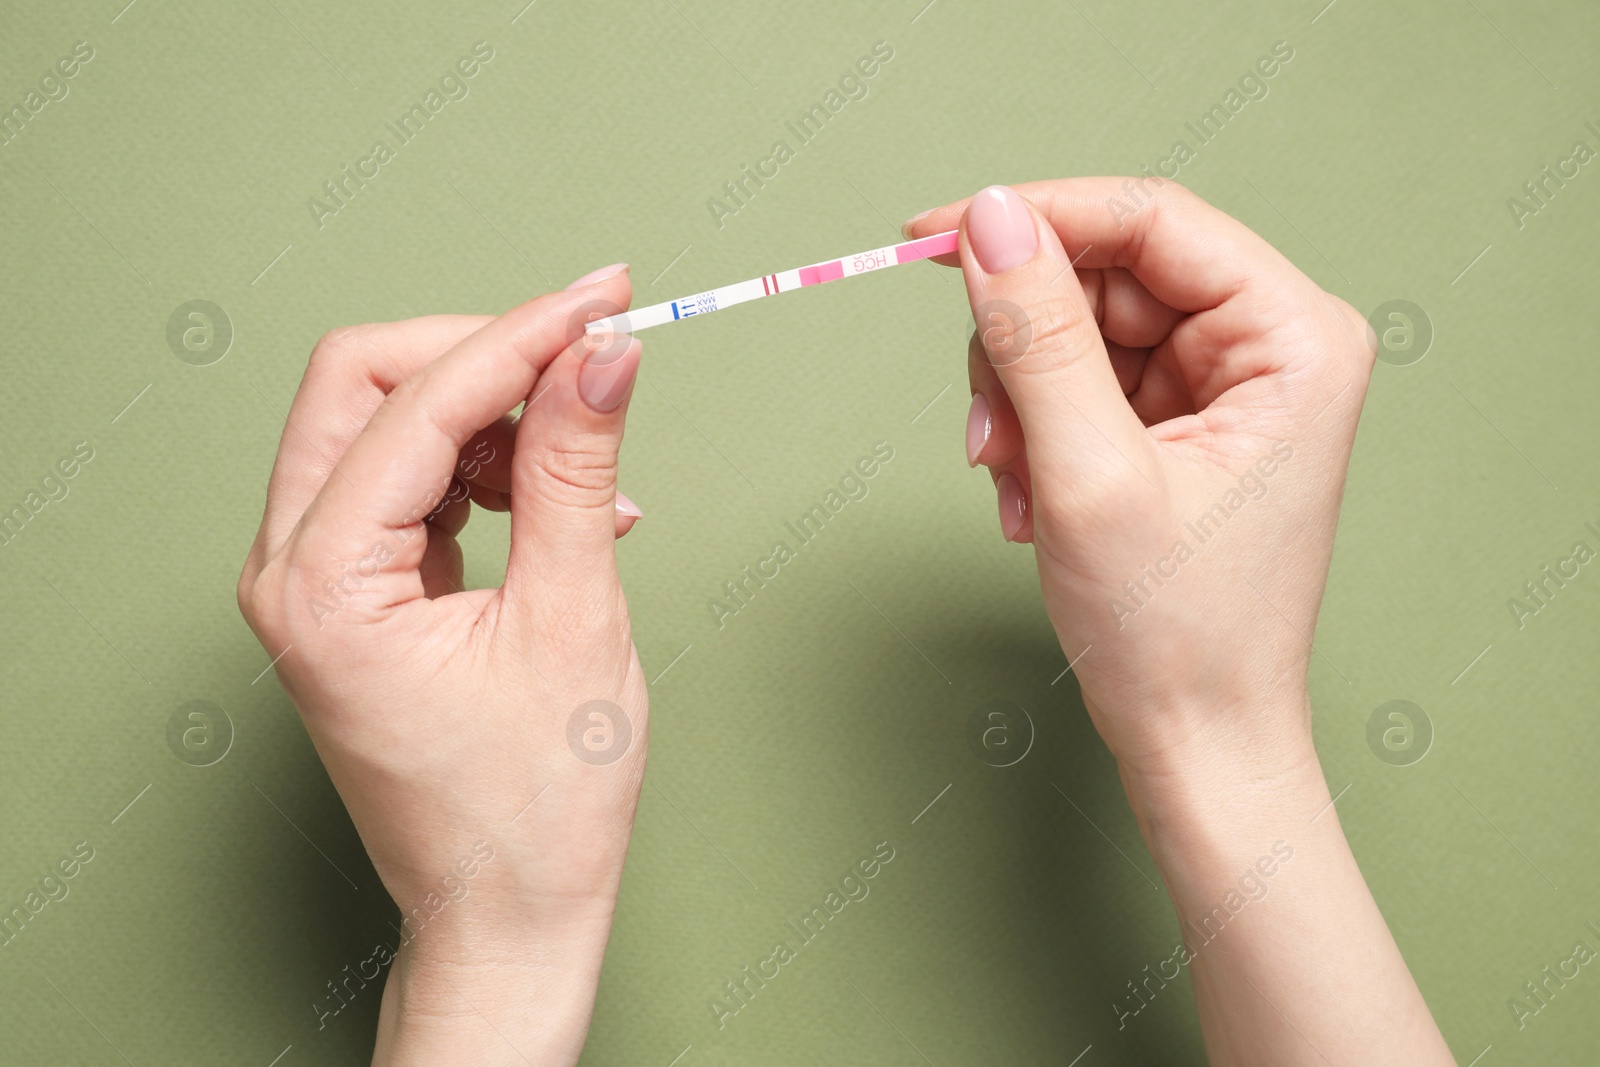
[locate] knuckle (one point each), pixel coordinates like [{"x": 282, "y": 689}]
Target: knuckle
[
  {"x": 1342, "y": 309},
  {"x": 411, "y": 400},
  {"x": 261, "y": 597},
  {"x": 1054, "y": 330},
  {"x": 1174, "y": 208},
  {"x": 579, "y": 470},
  {"x": 338, "y": 346},
  {"x": 1060, "y": 322},
  {"x": 1168, "y": 200},
  {"x": 1181, "y": 192},
  {"x": 1361, "y": 347},
  {"x": 1173, "y": 201},
  {"x": 245, "y": 592}
]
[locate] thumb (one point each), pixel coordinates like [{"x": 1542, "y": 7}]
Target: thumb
[
  {"x": 564, "y": 473},
  {"x": 1040, "y": 334}
]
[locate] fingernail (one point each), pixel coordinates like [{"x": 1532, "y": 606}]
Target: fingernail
[
  {"x": 907, "y": 226},
  {"x": 598, "y": 275},
  {"x": 627, "y": 507},
  {"x": 1013, "y": 505},
  {"x": 1000, "y": 230},
  {"x": 979, "y": 427},
  {"x": 607, "y": 372}
]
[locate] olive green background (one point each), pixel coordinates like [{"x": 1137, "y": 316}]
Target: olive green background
[{"x": 826, "y": 716}]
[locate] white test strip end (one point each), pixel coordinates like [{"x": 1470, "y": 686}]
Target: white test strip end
[{"x": 610, "y": 324}]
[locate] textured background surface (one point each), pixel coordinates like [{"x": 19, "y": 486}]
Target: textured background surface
[{"x": 790, "y": 742}]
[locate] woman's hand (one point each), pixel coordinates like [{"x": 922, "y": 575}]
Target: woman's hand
[
  {"x": 1168, "y": 406},
  {"x": 489, "y": 743}
]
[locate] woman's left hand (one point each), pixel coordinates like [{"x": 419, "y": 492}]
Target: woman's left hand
[{"x": 489, "y": 743}]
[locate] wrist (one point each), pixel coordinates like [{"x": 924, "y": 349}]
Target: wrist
[
  {"x": 1177, "y": 752},
  {"x": 1225, "y": 784},
  {"x": 492, "y": 996}
]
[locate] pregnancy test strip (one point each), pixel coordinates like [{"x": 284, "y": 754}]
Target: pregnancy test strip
[{"x": 772, "y": 284}]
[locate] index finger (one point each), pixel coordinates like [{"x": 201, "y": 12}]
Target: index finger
[
  {"x": 349, "y": 373},
  {"x": 397, "y": 469},
  {"x": 1191, "y": 256}
]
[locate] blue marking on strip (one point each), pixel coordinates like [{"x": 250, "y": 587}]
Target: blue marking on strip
[{"x": 674, "y": 309}]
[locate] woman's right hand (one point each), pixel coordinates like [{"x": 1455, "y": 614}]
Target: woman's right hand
[{"x": 1167, "y": 407}]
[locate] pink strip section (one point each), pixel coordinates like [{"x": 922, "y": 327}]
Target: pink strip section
[
  {"x": 822, "y": 272},
  {"x": 937, "y": 245}
]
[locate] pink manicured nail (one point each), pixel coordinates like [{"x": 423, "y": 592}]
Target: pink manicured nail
[
  {"x": 1000, "y": 230},
  {"x": 607, "y": 372},
  {"x": 598, "y": 275},
  {"x": 627, "y": 507},
  {"x": 979, "y": 427},
  {"x": 1013, "y": 505}
]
